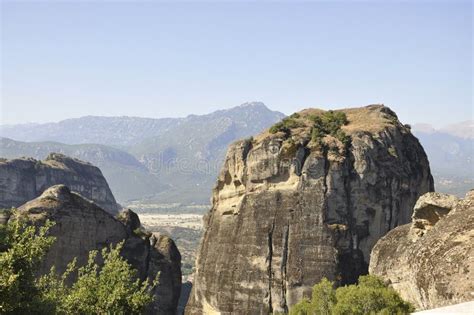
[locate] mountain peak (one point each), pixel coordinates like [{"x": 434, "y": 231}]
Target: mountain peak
[{"x": 254, "y": 104}]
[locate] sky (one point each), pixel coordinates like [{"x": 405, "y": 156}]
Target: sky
[{"x": 64, "y": 59}]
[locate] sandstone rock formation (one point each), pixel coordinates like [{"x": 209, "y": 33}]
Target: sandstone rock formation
[
  {"x": 431, "y": 267},
  {"x": 429, "y": 209},
  {"x": 81, "y": 226},
  {"x": 24, "y": 179},
  {"x": 303, "y": 203}
]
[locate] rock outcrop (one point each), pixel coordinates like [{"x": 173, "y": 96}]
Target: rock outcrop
[
  {"x": 430, "y": 262},
  {"x": 305, "y": 200},
  {"x": 81, "y": 226},
  {"x": 429, "y": 209},
  {"x": 23, "y": 179}
]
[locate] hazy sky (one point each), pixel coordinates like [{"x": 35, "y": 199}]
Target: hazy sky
[{"x": 63, "y": 59}]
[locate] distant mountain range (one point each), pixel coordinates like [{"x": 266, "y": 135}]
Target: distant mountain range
[
  {"x": 451, "y": 154},
  {"x": 157, "y": 160},
  {"x": 127, "y": 177},
  {"x": 172, "y": 160}
]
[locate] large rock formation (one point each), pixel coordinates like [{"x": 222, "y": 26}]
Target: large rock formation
[
  {"x": 24, "y": 179},
  {"x": 81, "y": 226},
  {"x": 430, "y": 262},
  {"x": 305, "y": 200}
]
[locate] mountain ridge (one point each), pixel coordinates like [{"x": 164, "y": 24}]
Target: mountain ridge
[
  {"x": 138, "y": 128},
  {"x": 143, "y": 161},
  {"x": 180, "y": 159}
]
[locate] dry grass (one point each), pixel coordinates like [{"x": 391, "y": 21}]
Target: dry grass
[
  {"x": 370, "y": 118},
  {"x": 54, "y": 164}
]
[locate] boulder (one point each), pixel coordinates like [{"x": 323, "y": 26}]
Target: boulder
[
  {"x": 429, "y": 209},
  {"x": 431, "y": 266}
]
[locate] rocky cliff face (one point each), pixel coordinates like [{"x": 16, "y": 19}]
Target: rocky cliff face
[
  {"x": 24, "y": 179},
  {"x": 430, "y": 261},
  {"x": 305, "y": 200},
  {"x": 81, "y": 226}
]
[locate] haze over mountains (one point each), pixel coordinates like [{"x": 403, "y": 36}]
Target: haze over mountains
[
  {"x": 450, "y": 151},
  {"x": 172, "y": 160},
  {"x": 142, "y": 157}
]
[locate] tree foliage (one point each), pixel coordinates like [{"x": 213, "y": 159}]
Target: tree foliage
[
  {"x": 22, "y": 249},
  {"x": 286, "y": 125},
  {"x": 330, "y": 123},
  {"x": 369, "y": 296},
  {"x": 111, "y": 287}
]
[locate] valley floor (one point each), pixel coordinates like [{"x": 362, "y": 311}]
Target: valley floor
[{"x": 184, "y": 229}]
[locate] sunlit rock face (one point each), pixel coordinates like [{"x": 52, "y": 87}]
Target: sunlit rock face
[
  {"x": 24, "y": 179},
  {"x": 289, "y": 209},
  {"x": 430, "y": 262}
]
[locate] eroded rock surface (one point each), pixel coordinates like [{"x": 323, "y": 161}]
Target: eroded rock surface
[
  {"x": 429, "y": 209},
  {"x": 289, "y": 209},
  {"x": 434, "y": 266},
  {"x": 23, "y": 179},
  {"x": 82, "y": 226}
]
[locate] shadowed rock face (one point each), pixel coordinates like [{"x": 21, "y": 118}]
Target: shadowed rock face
[
  {"x": 81, "y": 226},
  {"x": 24, "y": 179},
  {"x": 289, "y": 210},
  {"x": 434, "y": 266}
]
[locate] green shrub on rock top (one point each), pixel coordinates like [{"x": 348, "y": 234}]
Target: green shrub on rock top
[
  {"x": 285, "y": 125},
  {"x": 369, "y": 296},
  {"x": 329, "y": 123}
]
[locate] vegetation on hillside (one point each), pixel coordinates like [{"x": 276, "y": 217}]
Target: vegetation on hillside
[
  {"x": 286, "y": 124},
  {"x": 329, "y": 123},
  {"x": 21, "y": 252},
  {"x": 369, "y": 296},
  {"x": 112, "y": 288}
]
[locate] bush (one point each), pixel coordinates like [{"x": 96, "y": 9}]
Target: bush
[
  {"x": 302, "y": 308},
  {"x": 370, "y": 296},
  {"x": 286, "y": 125},
  {"x": 22, "y": 249},
  {"x": 323, "y": 297},
  {"x": 113, "y": 288},
  {"x": 330, "y": 123}
]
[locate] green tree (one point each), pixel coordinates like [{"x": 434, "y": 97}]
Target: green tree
[
  {"x": 109, "y": 288},
  {"x": 323, "y": 297},
  {"x": 302, "y": 308},
  {"x": 22, "y": 249},
  {"x": 112, "y": 289},
  {"x": 330, "y": 123},
  {"x": 369, "y": 296},
  {"x": 286, "y": 124}
]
